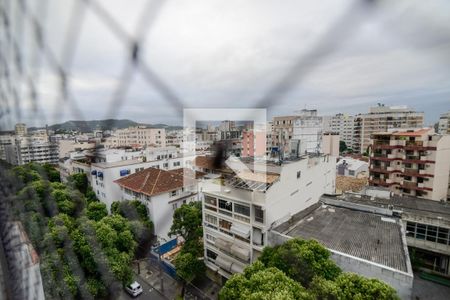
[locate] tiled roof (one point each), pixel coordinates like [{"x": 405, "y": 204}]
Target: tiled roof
[
  {"x": 418, "y": 132},
  {"x": 154, "y": 181}
]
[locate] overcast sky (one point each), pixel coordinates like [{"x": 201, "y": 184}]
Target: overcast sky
[{"x": 231, "y": 53}]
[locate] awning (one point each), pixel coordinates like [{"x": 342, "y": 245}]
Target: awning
[
  {"x": 222, "y": 244},
  {"x": 240, "y": 252},
  {"x": 241, "y": 230},
  {"x": 94, "y": 172},
  {"x": 100, "y": 174},
  {"x": 124, "y": 172},
  {"x": 224, "y": 263}
]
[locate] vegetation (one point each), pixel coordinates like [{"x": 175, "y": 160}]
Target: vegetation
[
  {"x": 84, "y": 252},
  {"x": 187, "y": 223},
  {"x": 342, "y": 146},
  {"x": 301, "y": 269}
]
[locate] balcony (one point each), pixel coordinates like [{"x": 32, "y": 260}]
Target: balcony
[{"x": 409, "y": 184}]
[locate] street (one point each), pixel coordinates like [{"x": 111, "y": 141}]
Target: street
[{"x": 148, "y": 292}]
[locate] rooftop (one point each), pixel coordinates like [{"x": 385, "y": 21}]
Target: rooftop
[
  {"x": 105, "y": 165},
  {"x": 152, "y": 181},
  {"x": 413, "y": 205},
  {"x": 366, "y": 235}
]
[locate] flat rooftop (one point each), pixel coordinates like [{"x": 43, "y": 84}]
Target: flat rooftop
[
  {"x": 413, "y": 205},
  {"x": 365, "y": 235}
]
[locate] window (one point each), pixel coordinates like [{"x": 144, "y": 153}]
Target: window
[
  {"x": 176, "y": 164},
  {"x": 225, "y": 224},
  {"x": 259, "y": 214},
  {"x": 225, "y": 207},
  {"x": 165, "y": 165},
  {"x": 173, "y": 193},
  {"x": 210, "y": 238},
  {"x": 211, "y": 254},
  {"x": 242, "y": 209},
  {"x": 210, "y": 201},
  {"x": 299, "y": 173},
  {"x": 175, "y": 206},
  {"x": 211, "y": 219}
]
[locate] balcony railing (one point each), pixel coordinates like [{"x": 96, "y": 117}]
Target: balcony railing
[{"x": 409, "y": 184}]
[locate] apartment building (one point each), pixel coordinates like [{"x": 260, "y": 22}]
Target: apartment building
[
  {"x": 253, "y": 143},
  {"x": 103, "y": 174},
  {"x": 240, "y": 208},
  {"x": 381, "y": 118},
  {"x": 344, "y": 125},
  {"x": 282, "y": 133},
  {"x": 66, "y": 147},
  {"x": 162, "y": 192},
  {"x": 20, "y": 129},
  {"x": 25, "y": 150},
  {"x": 412, "y": 162},
  {"x": 138, "y": 136},
  {"x": 6, "y": 138},
  {"x": 308, "y": 128},
  {"x": 330, "y": 143},
  {"x": 444, "y": 123}
]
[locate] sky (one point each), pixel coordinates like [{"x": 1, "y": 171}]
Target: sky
[{"x": 330, "y": 55}]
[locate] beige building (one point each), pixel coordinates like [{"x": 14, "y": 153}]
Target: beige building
[
  {"x": 138, "y": 136},
  {"x": 21, "y": 129},
  {"x": 411, "y": 162},
  {"x": 68, "y": 146},
  {"x": 330, "y": 143},
  {"x": 381, "y": 118},
  {"x": 444, "y": 123},
  {"x": 282, "y": 132}
]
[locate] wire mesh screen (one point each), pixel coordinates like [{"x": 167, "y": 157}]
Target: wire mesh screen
[{"x": 40, "y": 42}]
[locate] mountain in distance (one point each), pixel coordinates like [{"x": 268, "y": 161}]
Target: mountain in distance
[{"x": 108, "y": 124}]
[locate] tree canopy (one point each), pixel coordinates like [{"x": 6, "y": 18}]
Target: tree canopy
[
  {"x": 259, "y": 282},
  {"x": 301, "y": 260}
]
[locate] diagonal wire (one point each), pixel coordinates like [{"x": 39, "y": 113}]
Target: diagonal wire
[{"x": 341, "y": 30}]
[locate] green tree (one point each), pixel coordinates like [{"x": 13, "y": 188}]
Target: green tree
[
  {"x": 96, "y": 211},
  {"x": 353, "y": 286},
  {"x": 52, "y": 173},
  {"x": 342, "y": 146},
  {"x": 187, "y": 221},
  {"x": 79, "y": 181},
  {"x": 259, "y": 282},
  {"x": 188, "y": 268},
  {"x": 301, "y": 260}
]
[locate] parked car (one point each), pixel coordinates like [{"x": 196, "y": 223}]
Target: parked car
[{"x": 134, "y": 289}]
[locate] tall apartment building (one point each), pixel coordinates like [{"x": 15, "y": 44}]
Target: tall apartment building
[
  {"x": 381, "y": 118},
  {"x": 6, "y": 138},
  {"x": 344, "y": 125},
  {"x": 239, "y": 210},
  {"x": 308, "y": 128},
  {"x": 282, "y": 133},
  {"x": 253, "y": 143},
  {"x": 25, "y": 150},
  {"x": 139, "y": 136},
  {"x": 412, "y": 162},
  {"x": 444, "y": 123},
  {"x": 21, "y": 129}
]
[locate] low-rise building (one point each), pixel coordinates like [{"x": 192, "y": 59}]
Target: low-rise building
[
  {"x": 363, "y": 240},
  {"x": 348, "y": 166},
  {"x": 162, "y": 192}
]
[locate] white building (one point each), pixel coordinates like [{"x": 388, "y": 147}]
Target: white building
[
  {"x": 24, "y": 150},
  {"x": 138, "y": 136},
  {"x": 444, "y": 123},
  {"x": 162, "y": 192},
  {"x": 344, "y": 125},
  {"x": 6, "y": 138},
  {"x": 308, "y": 130},
  {"x": 104, "y": 174},
  {"x": 239, "y": 209},
  {"x": 348, "y": 166}
]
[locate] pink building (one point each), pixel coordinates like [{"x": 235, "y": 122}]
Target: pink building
[{"x": 253, "y": 144}]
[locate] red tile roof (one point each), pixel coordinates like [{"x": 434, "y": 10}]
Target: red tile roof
[
  {"x": 418, "y": 132},
  {"x": 154, "y": 181}
]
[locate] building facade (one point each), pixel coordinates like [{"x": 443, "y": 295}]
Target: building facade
[
  {"x": 139, "y": 135},
  {"x": 414, "y": 163},
  {"x": 444, "y": 123},
  {"x": 24, "y": 151},
  {"x": 308, "y": 128},
  {"x": 381, "y": 118},
  {"x": 238, "y": 211}
]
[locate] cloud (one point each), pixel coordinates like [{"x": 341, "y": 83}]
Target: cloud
[{"x": 215, "y": 53}]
